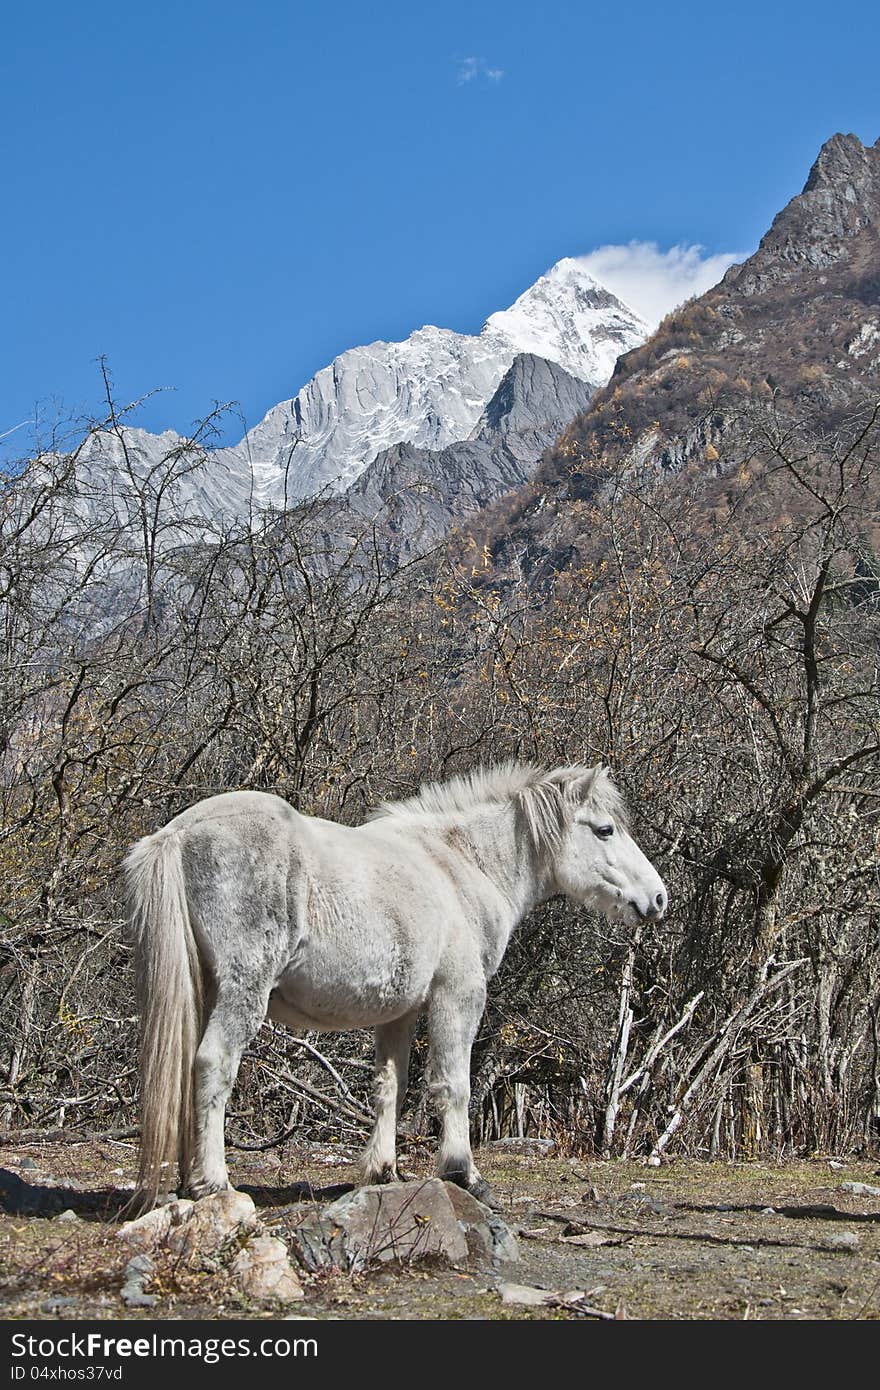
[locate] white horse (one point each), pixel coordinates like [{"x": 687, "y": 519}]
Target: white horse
[{"x": 241, "y": 908}]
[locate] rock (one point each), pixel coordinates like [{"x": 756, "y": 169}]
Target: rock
[
  {"x": 318, "y": 1244},
  {"x": 264, "y": 1271},
  {"x": 843, "y": 1240},
  {"x": 189, "y": 1228},
  {"x": 67, "y": 1215},
  {"x": 646, "y": 1202},
  {"x": 591, "y": 1239},
  {"x": 402, "y": 1221},
  {"x": 504, "y": 1247},
  {"x": 210, "y": 1221},
  {"x": 486, "y": 1234},
  {"x": 62, "y": 1303},
  {"x": 859, "y": 1189},
  {"x": 528, "y": 1148},
  {"x": 133, "y": 1298},
  {"x": 27, "y": 1163},
  {"x": 525, "y": 1295},
  {"x": 196, "y": 1230},
  {"x": 137, "y": 1272}
]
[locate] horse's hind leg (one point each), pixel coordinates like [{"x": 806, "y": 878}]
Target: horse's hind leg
[
  {"x": 233, "y": 1023},
  {"x": 453, "y": 1019},
  {"x": 393, "y": 1042}
]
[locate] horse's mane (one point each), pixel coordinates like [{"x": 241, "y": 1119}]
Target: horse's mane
[{"x": 546, "y": 797}]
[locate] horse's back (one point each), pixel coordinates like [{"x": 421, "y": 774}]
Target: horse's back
[
  {"x": 237, "y": 837},
  {"x": 260, "y": 806}
]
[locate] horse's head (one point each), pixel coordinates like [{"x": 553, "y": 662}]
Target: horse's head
[{"x": 596, "y": 860}]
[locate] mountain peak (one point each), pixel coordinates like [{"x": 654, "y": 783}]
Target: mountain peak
[
  {"x": 842, "y": 162},
  {"x": 568, "y": 317},
  {"x": 569, "y": 278},
  {"x": 570, "y": 272},
  {"x": 840, "y": 198}
]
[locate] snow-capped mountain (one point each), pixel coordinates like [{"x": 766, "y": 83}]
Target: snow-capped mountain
[
  {"x": 568, "y": 318},
  {"x": 428, "y": 391}
]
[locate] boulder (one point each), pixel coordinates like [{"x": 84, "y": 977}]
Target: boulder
[
  {"x": 842, "y": 1240},
  {"x": 526, "y": 1296},
  {"x": 860, "y": 1189},
  {"x": 486, "y": 1234},
  {"x": 191, "y": 1228},
  {"x": 137, "y": 1272},
  {"x": 210, "y": 1222},
  {"x": 402, "y": 1222},
  {"x": 197, "y": 1231}
]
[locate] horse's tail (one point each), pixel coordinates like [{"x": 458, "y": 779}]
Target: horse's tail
[{"x": 170, "y": 991}]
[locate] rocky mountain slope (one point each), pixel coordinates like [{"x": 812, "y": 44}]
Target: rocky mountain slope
[
  {"x": 415, "y": 495},
  {"x": 794, "y": 330}
]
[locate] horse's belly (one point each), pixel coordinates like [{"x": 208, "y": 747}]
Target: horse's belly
[
  {"x": 358, "y": 989},
  {"x": 328, "y": 1020}
]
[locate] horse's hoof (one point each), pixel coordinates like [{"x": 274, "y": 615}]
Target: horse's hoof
[
  {"x": 383, "y": 1177},
  {"x": 197, "y": 1190}
]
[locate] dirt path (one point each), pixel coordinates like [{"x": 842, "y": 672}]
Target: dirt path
[{"x": 688, "y": 1240}]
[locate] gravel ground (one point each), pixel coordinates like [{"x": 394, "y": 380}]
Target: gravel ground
[{"x": 685, "y": 1241}]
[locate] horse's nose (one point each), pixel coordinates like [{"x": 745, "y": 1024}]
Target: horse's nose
[{"x": 655, "y": 908}]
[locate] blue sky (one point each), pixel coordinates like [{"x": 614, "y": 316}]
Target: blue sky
[{"x": 221, "y": 197}]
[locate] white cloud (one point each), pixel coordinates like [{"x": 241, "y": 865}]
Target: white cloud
[
  {"x": 652, "y": 281},
  {"x": 471, "y": 68}
]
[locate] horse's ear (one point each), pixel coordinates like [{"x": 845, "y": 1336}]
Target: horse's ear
[{"x": 583, "y": 784}]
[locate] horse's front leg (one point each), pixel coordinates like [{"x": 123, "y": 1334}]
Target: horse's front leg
[
  {"x": 453, "y": 1019},
  {"x": 393, "y": 1042}
]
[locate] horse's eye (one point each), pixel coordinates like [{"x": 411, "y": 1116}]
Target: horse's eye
[{"x": 602, "y": 831}]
